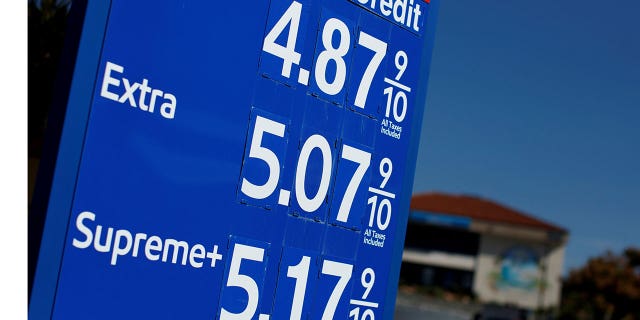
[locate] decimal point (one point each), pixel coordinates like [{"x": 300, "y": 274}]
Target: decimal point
[
  {"x": 283, "y": 198},
  {"x": 263, "y": 317},
  {"x": 303, "y": 76}
]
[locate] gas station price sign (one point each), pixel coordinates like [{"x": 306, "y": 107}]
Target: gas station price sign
[{"x": 236, "y": 160}]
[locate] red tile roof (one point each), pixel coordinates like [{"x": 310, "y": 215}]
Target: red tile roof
[{"x": 477, "y": 209}]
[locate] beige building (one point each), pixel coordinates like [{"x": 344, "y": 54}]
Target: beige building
[{"x": 476, "y": 246}]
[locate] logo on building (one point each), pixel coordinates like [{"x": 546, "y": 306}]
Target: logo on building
[{"x": 517, "y": 268}]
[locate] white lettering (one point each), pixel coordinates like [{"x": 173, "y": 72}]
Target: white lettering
[
  {"x": 154, "y": 94},
  {"x": 128, "y": 93},
  {"x": 197, "y": 252},
  {"x": 385, "y": 7},
  {"x": 400, "y": 15},
  {"x": 136, "y": 243},
  {"x": 82, "y": 228},
  {"x": 117, "y": 249},
  {"x": 168, "y": 108},
  {"x": 136, "y": 93},
  {"x": 106, "y": 247},
  {"x": 176, "y": 245},
  {"x": 107, "y": 80},
  {"x": 403, "y": 12},
  {"x": 144, "y": 89},
  {"x": 416, "y": 14},
  {"x": 126, "y": 243},
  {"x": 153, "y": 244}
]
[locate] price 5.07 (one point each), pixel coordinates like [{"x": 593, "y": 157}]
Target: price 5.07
[{"x": 262, "y": 185}]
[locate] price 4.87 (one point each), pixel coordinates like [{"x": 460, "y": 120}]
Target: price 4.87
[{"x": 333, "y": 47}]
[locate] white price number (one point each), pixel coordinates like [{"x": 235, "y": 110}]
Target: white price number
[
  {"x": 363, "y": 159},
  {"x": 262, "y": 126},
  {"x": 315, "y": 141},
  {"x": 288, "y": 52},
  {"x": 300, "y": 273},
  {"x": 308, "y": 203},
  {"x": 243, "y": 252},
  {"x": 397, "y": 92},
  {"x": 367, "y": 280},
  {"x": 331, "y": 54},
  {"x": 381, "y": 210}
]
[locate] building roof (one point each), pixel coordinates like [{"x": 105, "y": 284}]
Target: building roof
[{"x": 477, "y": 209}]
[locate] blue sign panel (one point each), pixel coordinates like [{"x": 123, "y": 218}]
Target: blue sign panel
[{"x": 238, "y": 160}]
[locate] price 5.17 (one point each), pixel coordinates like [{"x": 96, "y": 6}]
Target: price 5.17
[
  {"x": 308, "y": 200},
  {"x": 335, "y": 41},
  {"x": 299, "y": 278}
]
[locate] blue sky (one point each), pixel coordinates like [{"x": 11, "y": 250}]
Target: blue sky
[{"x": 536, "y": 105}]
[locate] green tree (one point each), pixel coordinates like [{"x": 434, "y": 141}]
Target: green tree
[{"x": 607, "y": 287}]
